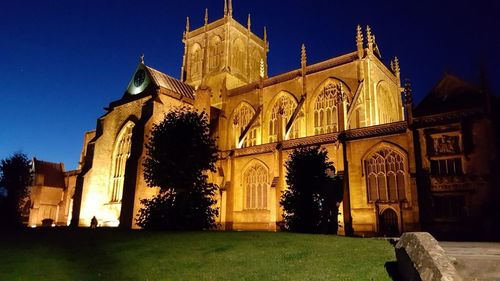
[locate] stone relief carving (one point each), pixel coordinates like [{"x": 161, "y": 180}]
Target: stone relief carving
[
  {"x": 446, "y": 144},
  {"x": 456, "y": 183}
]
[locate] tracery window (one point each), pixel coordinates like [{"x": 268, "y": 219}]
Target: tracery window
[
  {"x": 216, "y": 51},
  {"x": 255, "y": 65},
  {"x": 251, "y": 138},
  {"x": 387, "y": 109},
  {"x": 256, "y": 187},
  {"x": 385, "y": 176},
  {"x": 242, "y": 116},
  {"x": 120, "y": 155},
  {"x": 325, "y": 110},
  {"x": 239, "y": 56},
  {"x": 284, "y": 108},
  {"x": 196, "y": 62}
]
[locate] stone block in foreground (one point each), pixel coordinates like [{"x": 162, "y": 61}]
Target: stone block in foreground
[{"x": 420, "y": 257}]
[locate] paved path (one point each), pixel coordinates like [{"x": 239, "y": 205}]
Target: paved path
[{"x": 475, "y": 261}]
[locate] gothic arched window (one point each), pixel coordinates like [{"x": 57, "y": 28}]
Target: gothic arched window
[
  {"x": 388, "y": 110},
  {"x": 239, "y": 56},
  {"x": 242, "y": 116},
  {"x": 216, "y": 51},
  {"x": 325, "y": 110},
  {"x": 256, "y": 187},
  {"x": 255, "y": 65},
  {"x": 385, "y": 176},
  {"x": 283, "y": 108},
  {"x": 196, "y": 61},
  {"x": 121, "y": 153},
  {"x": 251, "y": 138}
]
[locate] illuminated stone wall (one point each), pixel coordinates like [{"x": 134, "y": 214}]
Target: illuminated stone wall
[
  {"x": 349, "y": 105},
  {"x": 225, "y": 54},
  {"x": 48, "y": 200},
  {"x": 96, "y": 189}
]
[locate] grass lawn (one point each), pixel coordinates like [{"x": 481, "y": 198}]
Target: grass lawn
[{"x": 56, "y": 254}]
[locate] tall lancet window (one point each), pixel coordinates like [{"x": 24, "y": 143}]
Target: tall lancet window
[
  {"x": 196, "y": 61},
  {"x": 120, "y": 155},
  {"x": 239, "y": 56},
  {"x": 385, "y": 176},
  {"x": 255, "y": 65},
  {"x": 282, "y": 111},
  {"x": 325, "y": 110},
  {"x": 242, "y": 116},
  {"x": 215, "y": 53},
  {"x": 388, "y": 110},
  {"x": 256, "y": 187}
]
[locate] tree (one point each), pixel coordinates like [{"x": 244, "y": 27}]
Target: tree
[
  {"x": 310, "y": 202},
  {"x": 15, "y": 177},
  {"x": 333, "y": 192},
  {"x": 179, "y": 153}
]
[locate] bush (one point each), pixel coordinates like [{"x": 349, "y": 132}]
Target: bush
[{"x": 169, "y": 211}]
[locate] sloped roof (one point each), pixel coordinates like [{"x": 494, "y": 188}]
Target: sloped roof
[
  {"x": 163, "y": 80},
  {"x": 53, "y": 173},
  {"x": 289, "y": 75},
  {"x": 450, "y": 94}
]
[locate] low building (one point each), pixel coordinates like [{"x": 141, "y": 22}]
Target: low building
[
  {"x": 51, "y": 194},
  {"x": 457, "y": 141}
]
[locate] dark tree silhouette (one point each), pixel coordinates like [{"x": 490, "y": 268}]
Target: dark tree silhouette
[
  {"x": 333, "y": 193},
  {"x": 179, "y": 153},
  {"x": 15, "y": 177},
  {"x": 309, "y": 203}
]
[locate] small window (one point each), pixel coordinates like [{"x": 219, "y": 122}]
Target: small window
[
  {"x": 449, "y": 207},
  {"x": 446, "y": 167}
]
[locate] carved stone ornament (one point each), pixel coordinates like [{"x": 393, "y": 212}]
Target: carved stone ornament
[{"x": 446, "y": 144}]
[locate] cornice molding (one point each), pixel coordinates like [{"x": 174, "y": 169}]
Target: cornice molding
[
  {"x": 378, "y": 130},
  {"x": 448, "y": 117}
]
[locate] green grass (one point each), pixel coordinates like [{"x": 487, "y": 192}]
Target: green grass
[{"x": 138, "y": 255}]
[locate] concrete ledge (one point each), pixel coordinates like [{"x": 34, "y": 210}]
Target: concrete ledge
[{"x": 420, "y": 257}]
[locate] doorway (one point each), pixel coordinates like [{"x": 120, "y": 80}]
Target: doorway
[{"x": 388, "y": 223}]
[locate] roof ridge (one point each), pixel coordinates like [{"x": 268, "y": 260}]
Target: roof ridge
[
  {"x": 170, "y": 83},
  {"x": 288, "y": 75},
  {"x": 47, "y": 162},
  {"x": 169, "y": 76}
]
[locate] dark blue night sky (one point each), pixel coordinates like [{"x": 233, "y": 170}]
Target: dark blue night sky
[{"x": 62, "y": 62}]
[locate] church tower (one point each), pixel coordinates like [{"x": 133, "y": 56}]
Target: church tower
[{"x": 222, "y": 52}]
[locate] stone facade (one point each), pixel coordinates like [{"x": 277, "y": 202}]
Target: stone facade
[
  {"x": 456, "y": 132},
  {"x": 351, "y": 105},
  {"x": 51, "y": 194}
]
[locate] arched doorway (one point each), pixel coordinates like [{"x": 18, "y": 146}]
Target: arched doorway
[{"x": 388, "y": 223}]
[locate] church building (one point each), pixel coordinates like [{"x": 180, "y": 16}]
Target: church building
[{"x": 351, "y": 105}]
